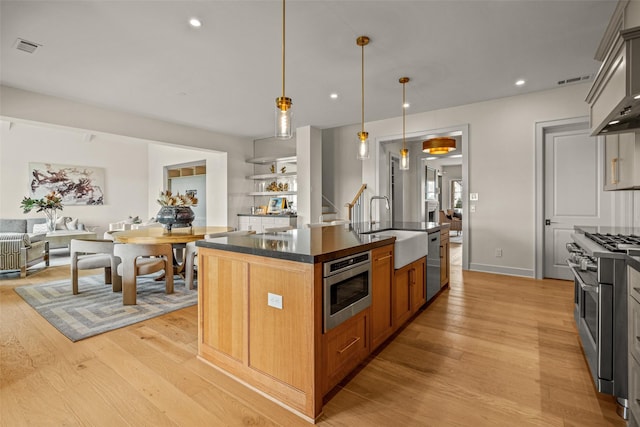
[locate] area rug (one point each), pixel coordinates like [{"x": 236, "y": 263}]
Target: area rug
[{"x": 96, "y": 309}]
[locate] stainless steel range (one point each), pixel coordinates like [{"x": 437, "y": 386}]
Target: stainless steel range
[{"x": 597, "y": 260}]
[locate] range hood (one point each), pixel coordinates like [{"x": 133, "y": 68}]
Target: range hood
[{"x": 614, "y": 98}]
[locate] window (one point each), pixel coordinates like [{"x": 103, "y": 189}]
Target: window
[{"x": 456, "y": 194}]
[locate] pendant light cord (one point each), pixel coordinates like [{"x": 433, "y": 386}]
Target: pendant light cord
[
  {"x": 362, "y": 80},
  {"x": 403, "y": 118},
  {"x": 283, "y": 45}
]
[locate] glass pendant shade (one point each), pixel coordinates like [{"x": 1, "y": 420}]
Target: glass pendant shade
[
  {"x": 363, "y": 145},
  {"x": 404, "y": 159},
  {"x": 283, "y": 118},
  {"x": 440, "y": 145}
]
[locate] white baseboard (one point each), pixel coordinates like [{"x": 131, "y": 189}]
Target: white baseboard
[{"x": 508, "y": 271}]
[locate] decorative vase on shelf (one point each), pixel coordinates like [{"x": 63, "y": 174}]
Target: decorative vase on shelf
[{"x": 175, "y": 216}]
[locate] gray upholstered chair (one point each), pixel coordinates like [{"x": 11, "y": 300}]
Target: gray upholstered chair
[
  {"x": 190, "y": 259},
  {"x": 90, "y": 254},
  {"x": 141, "y": 259},
  {"x": 18, "y": 251}
]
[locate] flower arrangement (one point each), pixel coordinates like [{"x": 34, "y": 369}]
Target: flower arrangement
[
  {"x": 50, "y": 202},
  {"x": 169, "y": 199}
]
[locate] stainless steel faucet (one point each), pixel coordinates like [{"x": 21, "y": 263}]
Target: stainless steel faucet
[{"x": 385, "y": 198}]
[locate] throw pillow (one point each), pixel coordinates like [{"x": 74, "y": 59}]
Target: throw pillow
[
  {"x": 73, "y": 224},
  {"x": 61, "y": 223},
  {"x": 40, "y": 228}
]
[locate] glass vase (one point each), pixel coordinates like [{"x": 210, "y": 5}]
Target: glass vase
[{"x": 52, "y": 217}]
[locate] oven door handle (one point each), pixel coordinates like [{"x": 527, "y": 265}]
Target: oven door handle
[{"x": 583, "y": 285}]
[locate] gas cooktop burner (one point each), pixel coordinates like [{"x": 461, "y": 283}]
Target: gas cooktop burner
[{"x": 615, "y": 242}]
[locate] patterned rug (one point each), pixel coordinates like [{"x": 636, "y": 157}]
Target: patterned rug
[{"x": 96, "y": 309}]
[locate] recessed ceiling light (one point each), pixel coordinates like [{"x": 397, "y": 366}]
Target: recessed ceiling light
[
  {"x": 455, "y": 156},
  {"x": 520, "y": 82},
  {"x": 614, "y": 122},
  {"x": 334, "y": 96},
  {"x": 636, "y": 97},
  {"x": 430, "y": 158},
  {"x": 406, "y": 105},
  {"x": 195, "y": 23}
]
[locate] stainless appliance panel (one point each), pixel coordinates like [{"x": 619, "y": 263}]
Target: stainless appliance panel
[
  {"x": 346, "y": 289},
  {"x": 433, "y": 265}
]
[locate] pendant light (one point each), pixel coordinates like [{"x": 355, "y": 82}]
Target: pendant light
[
  {"x": 283, "y": 104},
  {"x": 439, "y": 145},
  {"x": 363, "y": 137},
  {"x": 404, "y": 153}
]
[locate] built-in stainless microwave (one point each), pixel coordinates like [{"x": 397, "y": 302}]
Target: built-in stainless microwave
[{"x": 346, "y": 288}]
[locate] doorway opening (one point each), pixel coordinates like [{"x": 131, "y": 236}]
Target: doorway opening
[{"x": 190, "y": 178}]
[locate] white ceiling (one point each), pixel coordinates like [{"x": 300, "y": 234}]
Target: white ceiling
[{"x": 143, "y": 57}]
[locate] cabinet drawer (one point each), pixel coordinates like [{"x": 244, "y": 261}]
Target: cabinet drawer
[
  {"x": 634, "y": 388},
  {"x": 281, "y": 222},
  {"x": 345, "y": 347}
]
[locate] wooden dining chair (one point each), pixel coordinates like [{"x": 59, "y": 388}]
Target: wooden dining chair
[
  {"x": 190, "y": 260},
  {"x": 90, "y": 254},
  {"x": 140, "y": 259}
]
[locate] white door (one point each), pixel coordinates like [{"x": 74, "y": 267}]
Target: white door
[{"x": 573, "y": 194}]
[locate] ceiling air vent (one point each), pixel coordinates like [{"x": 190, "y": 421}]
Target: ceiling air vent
[
  {"x": 574, "y": 80},
  {"x": 26, "y": 46}
]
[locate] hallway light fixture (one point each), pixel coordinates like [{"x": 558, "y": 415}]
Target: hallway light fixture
[
  {"x": 439, "y": 145},
  {"x": 363, "y": 137},
  {"x": 283, "y": 104},
  {"x": 404, "y": 153}
]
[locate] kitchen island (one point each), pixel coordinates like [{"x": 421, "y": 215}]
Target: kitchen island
[{"x": 260, "y": 311}]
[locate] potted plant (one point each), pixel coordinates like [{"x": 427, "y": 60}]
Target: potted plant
[
  {"x": 49, "y": 204},
  {"x": 176, "y": 209}
]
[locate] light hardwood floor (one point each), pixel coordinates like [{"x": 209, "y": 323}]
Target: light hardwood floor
[{"x": 490, "y": 351}]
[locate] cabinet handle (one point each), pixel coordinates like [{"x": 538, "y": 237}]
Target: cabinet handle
[
  {"x": 351, "y": 344},
  {"x": 384, "y": 257},
  {"x": 614, "y": 170}
]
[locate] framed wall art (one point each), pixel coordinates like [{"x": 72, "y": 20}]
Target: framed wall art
[{"x": 78, "y": 185}]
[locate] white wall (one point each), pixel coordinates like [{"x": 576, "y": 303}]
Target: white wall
[
  {"x": 17, "y": 104},
  {"x": 125, "y": 175},
  {"x": 341, "y": 172},
  {"x": 501, "y": 167}
]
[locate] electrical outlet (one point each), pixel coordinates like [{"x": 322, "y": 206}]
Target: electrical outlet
[
  {"x": 498, "y": 252},
  {"x": 473, "y": 208},
  {"x": 274, "y": 300}
]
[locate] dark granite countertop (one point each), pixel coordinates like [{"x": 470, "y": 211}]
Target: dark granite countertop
[{"x": 318, "y": 244}]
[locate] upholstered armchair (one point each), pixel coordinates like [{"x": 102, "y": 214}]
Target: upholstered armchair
[
  {"x": 18, "y": 251},
  {"x": 140, "y": 259},
  {"x": 455, "y": 223},
  {"x": 90, "y": 254}
]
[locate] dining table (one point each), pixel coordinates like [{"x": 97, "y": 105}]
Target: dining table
[
  {"x": 152, "y": 235},
  {"x": 177, "y": 237}
]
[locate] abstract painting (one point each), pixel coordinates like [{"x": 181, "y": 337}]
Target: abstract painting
[{"x": 78, "y": 185}]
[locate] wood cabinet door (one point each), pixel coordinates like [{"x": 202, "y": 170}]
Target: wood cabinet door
[
  {"x": 345, "y": 346},
  {"x": 402, "y": 296},
  {"x": 221, "y": 307},
  {"x": 418, "y": 284},
  {"x": 444, "y": 259},
  {"x": 381, "y": 288},
  {"x": 628, "y": 167}
]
